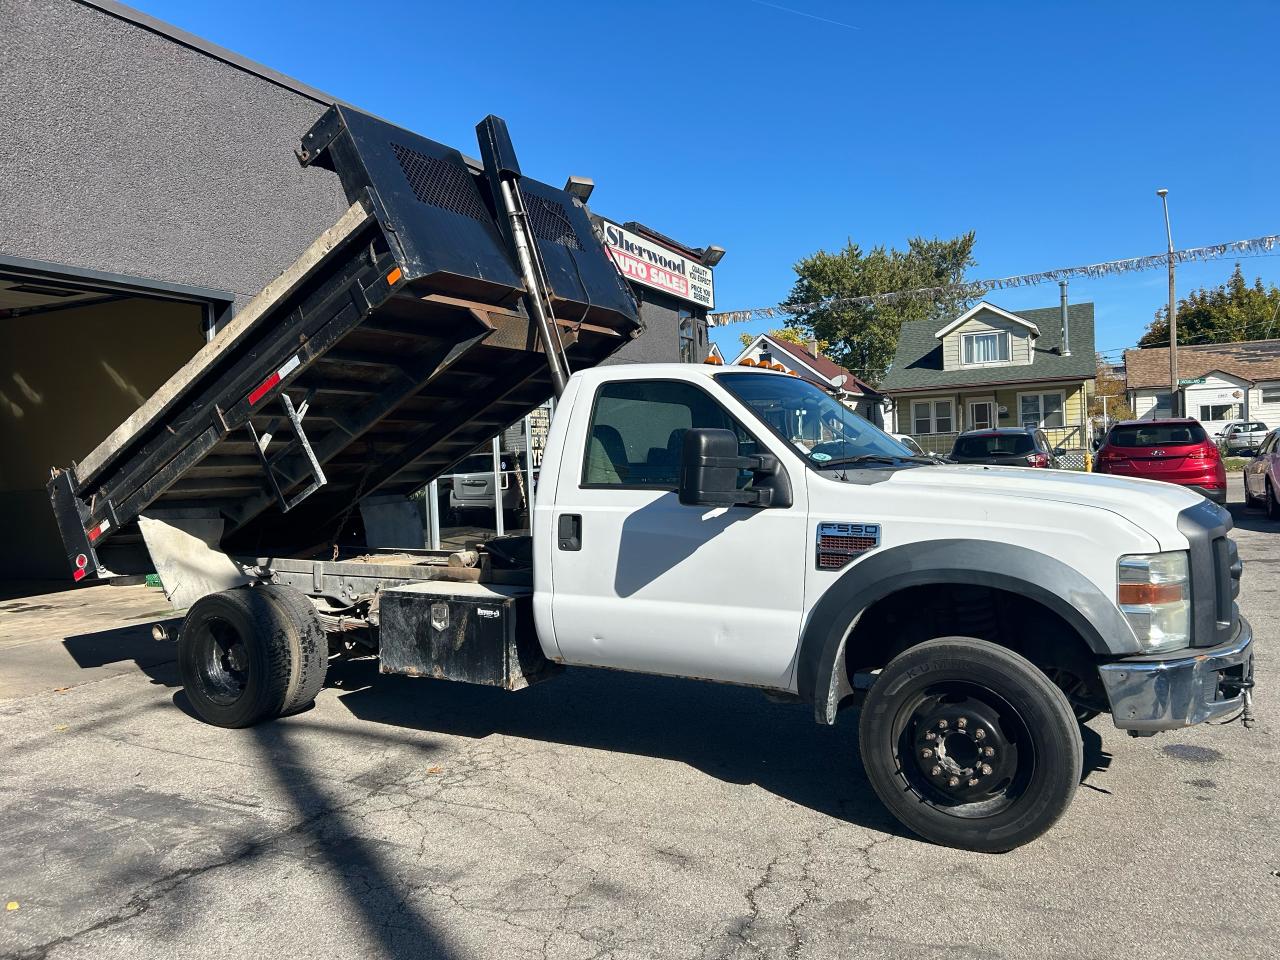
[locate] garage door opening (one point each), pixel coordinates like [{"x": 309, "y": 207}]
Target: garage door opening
[{"x": 79, "y": 352}]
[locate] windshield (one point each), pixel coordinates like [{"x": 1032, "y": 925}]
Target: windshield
[
  {"x": 1157, "y": 435},
  {"x": 821, "y": 429},
  {"x": 994, "y": 445}
]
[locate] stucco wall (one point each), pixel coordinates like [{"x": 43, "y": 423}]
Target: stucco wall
[{"x": 127, "y": 152}]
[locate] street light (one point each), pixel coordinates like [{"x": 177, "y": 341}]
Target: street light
[{"x": 1163, "y": 194}]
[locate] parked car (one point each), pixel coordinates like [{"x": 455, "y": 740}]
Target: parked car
[
  {"x": 1262, "y": 477},
  {"x": 1007, "y": 446},
  {"x": 472, "y": 486},
  {"x": 1242, "y": 436},
  {"x": 1175, "y": 451}
]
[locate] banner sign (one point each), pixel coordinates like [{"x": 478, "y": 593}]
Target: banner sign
[{"x": 650, "y": 264}]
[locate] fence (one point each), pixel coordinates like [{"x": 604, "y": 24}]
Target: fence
[{"x": 1073, "y": 440}]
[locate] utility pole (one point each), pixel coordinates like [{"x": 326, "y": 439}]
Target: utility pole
[{"x": 1163, "y": 194}]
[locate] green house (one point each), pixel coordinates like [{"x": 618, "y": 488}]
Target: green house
[{"x": 991, "y": 367}]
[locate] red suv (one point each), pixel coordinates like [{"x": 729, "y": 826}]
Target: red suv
[{"x": 1176, "y": 451}]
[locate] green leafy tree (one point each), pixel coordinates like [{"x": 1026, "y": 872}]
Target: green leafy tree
[
  {"x": 864, "y": 338},
  {"x": 1231, "y": 313},
  {"x": 790, "y": 335}
]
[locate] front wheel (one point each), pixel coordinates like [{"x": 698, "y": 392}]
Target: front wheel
[
  {"x": 1273, "y": 505},
  {"x": 1249, "y": 499},
  {"x": 970, "y": 745}
]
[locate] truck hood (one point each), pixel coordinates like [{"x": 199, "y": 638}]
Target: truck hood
[{"x": 1151, "y": 504}]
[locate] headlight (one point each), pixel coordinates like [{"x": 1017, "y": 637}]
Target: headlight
[{"x": 1155, "y": 597}]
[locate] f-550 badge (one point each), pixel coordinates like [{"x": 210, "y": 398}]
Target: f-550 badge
[{"x": 840, "y": 543}]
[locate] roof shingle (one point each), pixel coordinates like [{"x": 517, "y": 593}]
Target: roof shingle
[{"x": 1250, "y": 360}]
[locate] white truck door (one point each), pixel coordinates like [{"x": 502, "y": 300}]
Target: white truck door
[{"x": 642, "y": 582}]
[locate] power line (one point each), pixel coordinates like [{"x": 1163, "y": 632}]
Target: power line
[{"x": 1257, "y": 246}]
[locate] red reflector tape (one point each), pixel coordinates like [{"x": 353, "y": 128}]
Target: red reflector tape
[
  {"x": 262, "y": 388},
  {"x": 78, "y": 575},
  {"x": 265, "y": 386},
  {"x": 99, "y": 530}
]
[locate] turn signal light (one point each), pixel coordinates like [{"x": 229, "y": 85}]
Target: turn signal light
[{"x": 1141, "y": 593}]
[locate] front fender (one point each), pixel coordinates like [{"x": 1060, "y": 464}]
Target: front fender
[{"x": 1050, "y": 582}]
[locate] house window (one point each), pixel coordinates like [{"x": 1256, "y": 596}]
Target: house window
[
  {"x": 1042, "y": 409},
  {"x": 931, "y": 416},
  {"x": 986, "y": 347},
  {"x": 1271, "y": 393},
  {"x": 688, "y": 338},
  {"x": 1219, "y": 411}
]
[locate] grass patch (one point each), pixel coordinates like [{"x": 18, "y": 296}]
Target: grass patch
[{"x": 1236, "y": 464}]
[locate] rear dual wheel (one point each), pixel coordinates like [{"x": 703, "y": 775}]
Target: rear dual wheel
[
  {"x": 251, "y": 654},
  {"x": 970, "y": 745}
]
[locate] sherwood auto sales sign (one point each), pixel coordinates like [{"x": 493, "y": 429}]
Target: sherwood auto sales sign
[{"x": 653, "y": 265}]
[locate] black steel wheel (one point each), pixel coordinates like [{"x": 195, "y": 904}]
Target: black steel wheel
[
  {"x": 970, "y": 745},
  {"x": 250, "y": 654}
]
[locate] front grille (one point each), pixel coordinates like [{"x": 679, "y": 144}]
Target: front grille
[{"x": 1215, "y": 573}]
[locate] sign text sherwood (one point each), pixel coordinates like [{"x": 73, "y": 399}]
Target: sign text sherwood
[{"x": 648, "y": 263}]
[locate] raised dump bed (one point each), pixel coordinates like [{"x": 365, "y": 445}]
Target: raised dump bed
[{"x": 394, "y": 346}]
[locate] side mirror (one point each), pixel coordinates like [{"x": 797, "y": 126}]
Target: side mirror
[
  {"x": 1059, "y": 451},
  {"x": 709, "y": 468}
]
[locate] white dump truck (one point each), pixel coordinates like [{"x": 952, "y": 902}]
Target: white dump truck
[{"x": 727, "y": 524}]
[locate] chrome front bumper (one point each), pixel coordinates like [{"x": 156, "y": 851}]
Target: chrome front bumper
[{"x": 1149, "y": 694}]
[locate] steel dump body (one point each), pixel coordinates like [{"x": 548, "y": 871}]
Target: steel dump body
[{"x": 392, "y": 348}]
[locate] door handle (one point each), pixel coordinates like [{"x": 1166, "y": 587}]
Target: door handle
[{"x": 569, "y": 531}]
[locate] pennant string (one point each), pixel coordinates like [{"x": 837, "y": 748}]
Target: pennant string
[{"x": 978, "y": 288}]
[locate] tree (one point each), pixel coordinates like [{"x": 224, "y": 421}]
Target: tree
[
  {"x": 1111, "y": 386},
  {"x": 1230, "y": 313},
  {"x": 790, "y": 334},
  {"x": 864, "y": 338}
]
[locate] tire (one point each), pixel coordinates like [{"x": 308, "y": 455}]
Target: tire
[
  {"x": 1003, "y": 719},
  {"x": 1249, "y": 499},
  {"x": 251, "y": 654},
  {"x": 1273, "y": 505}
]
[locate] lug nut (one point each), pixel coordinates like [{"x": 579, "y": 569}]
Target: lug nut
[
  {"x": 973, "y": 782},
  {"x": 979, "y": 734},
  {"x": 986, "y": 769},
  {"x": 931, "y": 735},
  {"x": 935, "y": 771},
  {"x": 942, "y": 724},
  {"x": 988, "y": 751},
  {"x": 953, "y": 782},
  {"x": 926, "y": 752},
  {"x": 962, "y": 723}
]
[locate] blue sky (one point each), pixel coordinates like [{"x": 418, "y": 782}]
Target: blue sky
[{"x": 776, "y": 129}]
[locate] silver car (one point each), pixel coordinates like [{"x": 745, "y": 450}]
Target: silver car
[
  {"x": 471, "y": 488},
  {"x": 1242, "y": 436}
]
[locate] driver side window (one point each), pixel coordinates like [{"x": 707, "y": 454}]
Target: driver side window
[{"x": 637, "y": 433}]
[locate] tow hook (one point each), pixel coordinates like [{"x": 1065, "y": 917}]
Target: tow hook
[{"x": 1242, "y": 688}]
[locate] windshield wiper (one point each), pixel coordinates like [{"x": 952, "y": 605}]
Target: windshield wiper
[{"x": 890, "y": 458}]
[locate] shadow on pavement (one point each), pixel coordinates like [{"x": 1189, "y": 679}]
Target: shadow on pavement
[
  {"x": 730, "y": 733},
  {"x": 1254, "y": 519},
  {"x": 135, "y": 643}
]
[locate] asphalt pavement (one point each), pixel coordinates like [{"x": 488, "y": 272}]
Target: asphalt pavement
[{"x": 598, "y": 815}]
